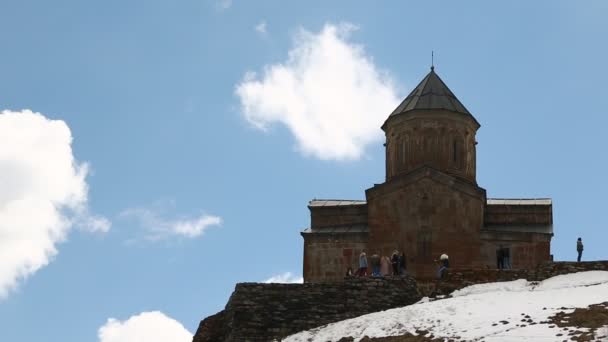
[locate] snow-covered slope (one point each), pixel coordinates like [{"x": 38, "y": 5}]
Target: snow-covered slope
[{"x": 506, "y": 311}]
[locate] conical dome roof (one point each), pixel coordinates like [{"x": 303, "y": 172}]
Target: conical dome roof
[{"x": 431, "y": 93}]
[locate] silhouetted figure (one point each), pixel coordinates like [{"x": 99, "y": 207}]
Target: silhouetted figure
[
  {"x": 395, "y": 262},
  {"x": 503, "y": 258},
  {"x": 402, "y": 264},
  {"x": 506, "y": 260},
  {"x": 500, "y": 256},
  {"x": 579, "y": 249}
]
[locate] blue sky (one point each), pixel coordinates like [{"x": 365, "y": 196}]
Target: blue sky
[{"x": 192, "y": 186}]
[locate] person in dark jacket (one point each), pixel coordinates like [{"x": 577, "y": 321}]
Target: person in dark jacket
[
  {"x": 500, "y": 258},
  {"x": 395, "y": 262},
  {"x": 506, "y": 260},
  {"x": 402, "y": 264},
  {"x": 375, "y": 261},
  {"x": 579, "y": 249}
]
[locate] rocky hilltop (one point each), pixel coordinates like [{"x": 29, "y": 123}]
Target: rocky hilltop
[
  {"x": 267, "y": 312},
  {"x": 263, "y": 312}
]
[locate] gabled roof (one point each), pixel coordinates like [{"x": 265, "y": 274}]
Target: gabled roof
[
  {"x": 431, "y": 93},
  {"x": 403, "y": 180}
]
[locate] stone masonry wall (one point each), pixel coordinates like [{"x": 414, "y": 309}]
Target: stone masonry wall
[
  {"x": 499, "y": 214},
  {"x": 425, "y": 214},
  {"x": 458, "y": 279},
  {"x": 527, "y": 249},
  {"x": 327, "y": 256},
  {"x": 264, "y": 312},
  {"x": 437, "y": 138},
  {"x": 343, "y": 215}
]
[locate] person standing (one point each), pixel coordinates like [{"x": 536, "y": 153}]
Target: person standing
[
  {"x": 444, "y": 262},
  {"x": 507, "y": 258},
  {"x": 385, "y": 266},
  {"x": 395, "y": 262},
  {"x": 499, "y": 258},
  {"x": 579, "y": 249},
  {"x": 362, "y": 272},
  {"x": 375, "y": 261},
  {"x": 402, "y": 264}
]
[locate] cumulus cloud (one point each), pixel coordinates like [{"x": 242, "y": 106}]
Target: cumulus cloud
[
  {"x": 146, "y": 327},
  {"x": 261, "y": 27},
  {"x": 43, "y": 194},
  {"x": 328, "y": 93},
  {"x": 286, "y": 278},
  {"x": 156, "y": 227}
]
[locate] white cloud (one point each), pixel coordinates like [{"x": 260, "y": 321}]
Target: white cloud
[
  {"x": 146, "y": 327},
  {"x": 328, "y": 92},
  {"x": 261, "y": 27},
  {"x": 287, "y": 278},
  {"x": 95, "y": 223},
  {"x": 43, "y": 194},
  {"x": 194, "y": 227},
  {"x": 156, "y": 227}
]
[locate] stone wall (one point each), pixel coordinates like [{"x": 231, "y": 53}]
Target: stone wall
[
  {"x": 500, "y": 214},
  {"x": 328, "y": 256},
  {"x": 458, "y": 279},
  {"x": 527, "y": 249},
  {"x": 551, "y": 269},
  {"x": 427, "y": 213},
  {"x": 338, "y": 215},
  {"x": 263, "y": 312}
]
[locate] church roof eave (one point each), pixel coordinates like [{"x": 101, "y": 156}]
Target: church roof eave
[{"x": 391, "y": 117}]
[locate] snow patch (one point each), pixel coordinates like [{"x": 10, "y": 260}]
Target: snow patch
[{"x": 506, "y": 311}]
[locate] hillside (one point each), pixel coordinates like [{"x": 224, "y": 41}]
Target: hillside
[{"x": 561, "y": 308}]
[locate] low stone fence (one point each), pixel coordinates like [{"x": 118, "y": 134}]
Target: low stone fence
[
  {"x": 264, "y": 312},
  {"x": 552, "y": 269},
  {"x": 460, "y": 278}
]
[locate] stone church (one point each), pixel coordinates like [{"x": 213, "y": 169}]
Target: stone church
[{"x": 430, "y": 202}]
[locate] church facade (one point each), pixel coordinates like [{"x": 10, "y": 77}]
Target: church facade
[{"x": 430, "y": 202}]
